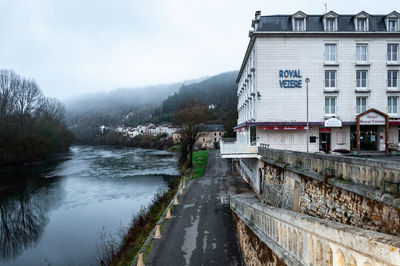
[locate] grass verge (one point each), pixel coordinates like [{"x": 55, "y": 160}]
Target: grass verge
[
  {"x": 175, "y": 148},
  {"x": 199, "y": 163}
]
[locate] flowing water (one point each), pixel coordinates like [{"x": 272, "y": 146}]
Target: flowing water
[{"x": 56, "y": 213}]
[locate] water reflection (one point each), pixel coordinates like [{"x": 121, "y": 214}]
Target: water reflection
[
  {"x": 52, "y": 213},
  {"x": 23, "y": 213}
]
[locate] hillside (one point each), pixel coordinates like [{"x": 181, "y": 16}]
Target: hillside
[
  {"x": 219, "y": 90},
  {"x": 155, "y": 104}
]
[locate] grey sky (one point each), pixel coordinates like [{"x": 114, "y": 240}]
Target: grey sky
[{"x": 79, "y": 46}]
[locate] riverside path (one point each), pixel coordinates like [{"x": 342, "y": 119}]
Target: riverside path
[{"x": 202, "y": 231}]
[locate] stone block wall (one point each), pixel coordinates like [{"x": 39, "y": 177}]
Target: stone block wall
[
  {"x": 336, "y": 204},
  {"x": 286, "y": 188}
]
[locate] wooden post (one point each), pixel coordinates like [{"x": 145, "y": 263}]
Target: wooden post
[{"x": 358, "y": 134}]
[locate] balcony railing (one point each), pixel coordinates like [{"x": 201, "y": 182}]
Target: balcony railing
[{"x": 230, "y": 148}]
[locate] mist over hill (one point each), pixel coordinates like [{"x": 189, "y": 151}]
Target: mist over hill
[
  {"x": 152, "y": 104},
  {"x": 116, "y": 104}
]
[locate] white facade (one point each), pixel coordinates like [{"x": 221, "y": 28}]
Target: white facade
[{"x": 349, "y": 72}]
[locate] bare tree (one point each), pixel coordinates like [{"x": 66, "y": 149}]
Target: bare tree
[
  {"x": 51, "y": 109},
  {"x": 190, "y": 117},
  {"x": 32, "y": 126}
]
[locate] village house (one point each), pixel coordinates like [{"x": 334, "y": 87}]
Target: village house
[{"x": 210, "y": 136}]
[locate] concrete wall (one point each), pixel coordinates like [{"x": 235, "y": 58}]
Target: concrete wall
[
  {"x": 299, "y": 239},
  {"x": 249, "y": 170}
]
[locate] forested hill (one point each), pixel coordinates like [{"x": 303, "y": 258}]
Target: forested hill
[{"x": 219, "y": 90}]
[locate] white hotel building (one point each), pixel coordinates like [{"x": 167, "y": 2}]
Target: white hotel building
[{"x": 352, "y": 62}]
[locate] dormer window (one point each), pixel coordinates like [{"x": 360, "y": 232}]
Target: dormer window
[
  {"x": 361, "y": 24},
  {"x": 392, "y": 24},
  {"x": 330, "y": 24},
  {"x": 393, "y": 21},
  {"x": 361, "y": 21},
  {"x": 299, "y": 21},
  {"x": 299, "y": 24},
  {"x": 330, "y": 21}
]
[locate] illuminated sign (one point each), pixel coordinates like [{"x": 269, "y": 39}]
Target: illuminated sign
[{"x": 290, "y": 79}]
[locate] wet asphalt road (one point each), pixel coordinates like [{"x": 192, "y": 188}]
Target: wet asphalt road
[{"x": 202, "y": 230}]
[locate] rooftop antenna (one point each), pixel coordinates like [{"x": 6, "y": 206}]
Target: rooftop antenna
[{"x": 326, "y": 7}]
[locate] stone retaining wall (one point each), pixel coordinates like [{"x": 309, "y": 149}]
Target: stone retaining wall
[
  {"x": 357, "y": 170},
  {"x": 285, "y": 188}
]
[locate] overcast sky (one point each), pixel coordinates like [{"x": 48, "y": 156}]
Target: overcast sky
[{"x": 72, "y": 47}]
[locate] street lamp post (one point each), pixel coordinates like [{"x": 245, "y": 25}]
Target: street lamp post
[{"x": 307, "y": 80}]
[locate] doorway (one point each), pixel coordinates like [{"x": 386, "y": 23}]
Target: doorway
[
  {"x": 325, "y": 141},
  {"x": 253, "y": 135},
  {"x": 368, "y": 138}
]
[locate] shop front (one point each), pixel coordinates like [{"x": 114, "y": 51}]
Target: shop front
[{"x": 371, "y": 131}]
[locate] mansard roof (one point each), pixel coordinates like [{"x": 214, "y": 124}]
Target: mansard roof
[{"x": 283, "y": 23}]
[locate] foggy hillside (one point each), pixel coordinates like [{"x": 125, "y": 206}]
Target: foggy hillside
[
  {"x": 155, "y": 104},
  {"x": 119, "y": 102}
]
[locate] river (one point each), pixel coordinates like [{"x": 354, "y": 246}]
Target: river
[{"x": 56, "y": 213}]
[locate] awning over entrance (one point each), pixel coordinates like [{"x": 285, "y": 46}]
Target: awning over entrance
[{"x": 372, "y": 117}]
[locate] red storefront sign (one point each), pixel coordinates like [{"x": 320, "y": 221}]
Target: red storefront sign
[
  {"x": 283, "y": 128},
  {"x": 240, "y": 129},
  {"x": 325, "y": 129}
]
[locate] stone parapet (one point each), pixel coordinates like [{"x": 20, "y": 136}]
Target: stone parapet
[
  {"x": 299, "y": 239},
  {"x": 368, "y": 172}
]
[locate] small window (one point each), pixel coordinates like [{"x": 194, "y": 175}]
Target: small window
[
  {"x": 299, "y": 24},
  {"x": 204, "y": 139},
  {"x": 330, "y": 24},
  {"x": 361, "y": 51},
  {"x": 220, "y": 133},
  {"x": 330, "y": 52},
  {"x": 215, "y": 133},
  {"x": 361, "y": 24},
  {"x": 392, "y": 52},
  {"x": 393, "y": 77},
  {"x": 392, "y": 25},
  {"x": 330, "y": 105},
  {"x": 392, "y": 105},
  {"x": 361, "y": 104},
  {"x": 330, "y": 79},
  {"x": 313, "y": 139},
  {"x": 361, "y": 76},
  {"x": 215, "y": 140}
]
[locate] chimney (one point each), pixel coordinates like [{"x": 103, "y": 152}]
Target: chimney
[{"x": 258, "y": 15}]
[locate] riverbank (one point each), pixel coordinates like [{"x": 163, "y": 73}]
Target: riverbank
[{"x": 144, "y": 222}]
